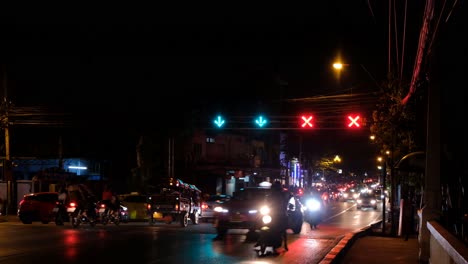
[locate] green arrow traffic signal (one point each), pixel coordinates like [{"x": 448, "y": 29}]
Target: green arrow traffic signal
[
  {"x": 261, "y": 121},
  {"x": 219, "y": 121}
]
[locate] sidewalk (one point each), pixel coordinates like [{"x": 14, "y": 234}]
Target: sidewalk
[
  {"x": 371, "y": 246},
  {"x": 9, "y": 218}
]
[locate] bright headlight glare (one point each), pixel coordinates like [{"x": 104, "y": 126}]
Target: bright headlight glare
[
  {"x": 266, "y": 219},
  {"x": 265, "y": 210},
  {"x": 220, "y": 209},
  {"x": 313, "y": 205}
]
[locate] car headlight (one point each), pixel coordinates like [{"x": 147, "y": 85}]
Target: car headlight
[
  {"x": 266, "y": 219},
  {"x": 313, "y": 205},
  {"x": 265, "y": 210},
  {"x": 220, "y": 209}
]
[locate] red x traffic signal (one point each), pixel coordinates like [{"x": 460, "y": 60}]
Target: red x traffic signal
[
  {"x": 306, "y": 121},
  {"x": 353, "y": 121}
]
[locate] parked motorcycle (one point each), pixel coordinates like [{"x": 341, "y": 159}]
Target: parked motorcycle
[
  {"x": 313, "y": 211},
  {"x": 272, "y": 234}
]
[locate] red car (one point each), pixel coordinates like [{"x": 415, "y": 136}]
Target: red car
[{"x": 37, "y": 207}]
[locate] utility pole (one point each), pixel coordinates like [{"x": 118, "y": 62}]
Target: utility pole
[{"x": 5, "y": 123}]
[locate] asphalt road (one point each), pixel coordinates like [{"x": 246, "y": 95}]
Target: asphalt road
[{"x": 162, "y": 243}]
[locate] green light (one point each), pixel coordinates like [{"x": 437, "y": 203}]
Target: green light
[
  {"x": 219, "y": 121},
  {"x": 261, "y": 121}
]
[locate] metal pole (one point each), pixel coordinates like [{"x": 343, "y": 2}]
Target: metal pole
[
  {"x": 7, "y": 166},
  {"x": 384, "y": 174},
  {"x": 394, "y": 189}
]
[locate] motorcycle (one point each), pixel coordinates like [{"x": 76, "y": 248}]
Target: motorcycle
[
  {"x": 272, "y": 234},
  {"x": 295, "y": 215},
  {"x": 313, "y": 211},
  {"x": 106, "y": 215},
  {"x": 79, "y": 216}
]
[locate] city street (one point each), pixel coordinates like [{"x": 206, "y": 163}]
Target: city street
[{"x": 140, "y": 243}]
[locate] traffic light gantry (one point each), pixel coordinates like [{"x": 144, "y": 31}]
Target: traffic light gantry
[{"x": 297, "y": 122}]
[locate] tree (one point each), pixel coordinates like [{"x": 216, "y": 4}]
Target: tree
[{"x": 395, "y": 125}]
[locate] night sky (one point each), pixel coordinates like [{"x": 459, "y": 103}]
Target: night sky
[{"x": 127, "y": 73}]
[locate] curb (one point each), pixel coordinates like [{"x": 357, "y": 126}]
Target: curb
[
  {"x": 8, "y": 218},
  {"x": 339, "y": 250}
]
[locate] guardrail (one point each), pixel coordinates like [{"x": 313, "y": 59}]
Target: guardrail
[{"x": 445, "y": 247}]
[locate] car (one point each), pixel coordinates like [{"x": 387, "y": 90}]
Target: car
[
  {"x": 37, "y": 206},
  {"x": 366, "y": 200},
  {"x": 350, "y": 195},
  {"x": 136, "y": 206},
  {"x": 242, "y": 211},
  {"x": 210, "y": 203}
]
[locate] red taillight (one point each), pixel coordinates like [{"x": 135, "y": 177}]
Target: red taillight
[
  {"x": 21, "y": 202},
  {"x": 72, "y": 204},
  {"x": 148, "y": 206},
  {"x": 103, "y": 206},
  {"x": 204, "y": 206}
]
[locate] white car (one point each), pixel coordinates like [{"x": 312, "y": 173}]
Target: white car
[{"x": 209, "y": 204}]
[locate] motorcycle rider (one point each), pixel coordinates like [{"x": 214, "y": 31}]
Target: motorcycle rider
[
  {"x": 60, "y": 216},
  {"x": 314, "y": 217},
  {"x": 278, "y": 203},
  {"x": 85, "y": 199},
  {"x": 63, "y": 195},
  {"x": 114, "y": 205}
]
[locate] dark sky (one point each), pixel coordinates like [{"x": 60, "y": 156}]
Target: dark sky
[
  {"x": 146, "y": 69},
  {"x": 207, "y": 57}
]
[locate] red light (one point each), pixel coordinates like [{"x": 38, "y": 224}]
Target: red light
[
  {"x": 72, "y": 204},
  {"x": 300, "y": 192},
  {"x": 354, "y": 121},
  {"x": 103, "y": 206},
  {"x": 306, "y": 121},
  {"x": 204, "y": 206}
]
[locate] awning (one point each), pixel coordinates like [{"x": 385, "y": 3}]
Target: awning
[{"x": 413, "y": 162}]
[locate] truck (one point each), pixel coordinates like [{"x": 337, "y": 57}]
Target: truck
[{"x": 174, "y": 201}]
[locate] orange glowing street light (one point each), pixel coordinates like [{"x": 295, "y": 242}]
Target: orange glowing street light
[{"x": 339, "y": 65}]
